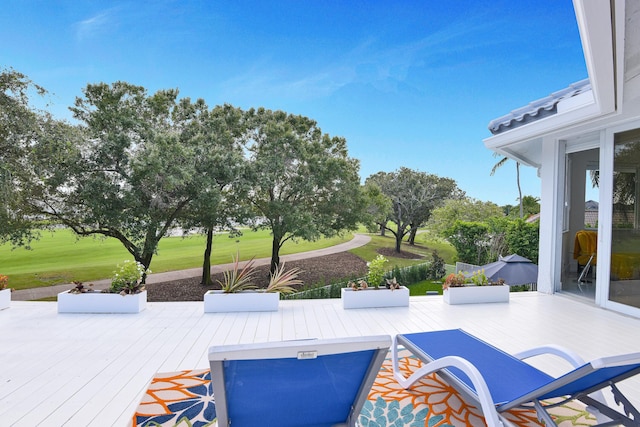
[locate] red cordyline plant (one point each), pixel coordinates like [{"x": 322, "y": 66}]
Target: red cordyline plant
[
  {"x": 454, "y": 280},
  {"x": 4, "y": 281}
]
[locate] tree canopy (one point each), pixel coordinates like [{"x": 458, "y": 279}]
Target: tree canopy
[
  {"x": 20, "y": 125},
  {"x": 463, "y": 209},
  {"x": 218, "y": 137},
  {"x": 481, "y": 242},
  {"x": 377, "y": 207},
  {"x": 127, "y": 172},
  {"x": 302, "y": 182},
  {"x": 414, "y": 195}
]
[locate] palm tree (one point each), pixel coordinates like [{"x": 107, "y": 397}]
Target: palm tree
[{"x": 500, "y": 164}]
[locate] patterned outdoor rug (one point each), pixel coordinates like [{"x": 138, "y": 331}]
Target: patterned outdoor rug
[{"x": 185, "y": 399}]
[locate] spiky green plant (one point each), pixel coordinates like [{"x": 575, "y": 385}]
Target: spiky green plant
[
  {"x": 283, "y": 281},
  {"x": 236, "y": 280}
]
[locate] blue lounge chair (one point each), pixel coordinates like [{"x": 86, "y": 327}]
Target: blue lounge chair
[
  {"x": 498, "y": 381},
  {"x": 295, "y": 383}
]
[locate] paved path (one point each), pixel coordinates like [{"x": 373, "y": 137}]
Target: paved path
[{"x": 50, "y": 291}]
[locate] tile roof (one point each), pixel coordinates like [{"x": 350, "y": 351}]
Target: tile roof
[{"x": 537, "y": 110}]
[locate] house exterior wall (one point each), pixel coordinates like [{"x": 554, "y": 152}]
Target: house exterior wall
[
  {"x": 615, "y": 77},
  {"x": 550, "y": 214},
  {"x": 632, "y": 55}
]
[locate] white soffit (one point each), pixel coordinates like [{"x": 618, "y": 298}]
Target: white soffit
[{"x": 580, "y": 103}]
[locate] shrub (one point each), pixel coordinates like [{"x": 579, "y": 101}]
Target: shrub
[
  {"x": 376, "y": 271},
  {"x": 128, "y": 277},
  {"x": 436, "y": 269},
  {"x": 406, "y": 276},
  {"x": 409, "y": 275}
]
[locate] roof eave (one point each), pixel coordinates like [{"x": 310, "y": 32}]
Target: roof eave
[
  {"x": 601, "y": 39},
  {"x": 598, "y": 37},
  {"x": 539, "y": 129}
]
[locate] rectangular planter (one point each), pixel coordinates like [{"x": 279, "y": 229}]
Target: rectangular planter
[
  {"x": 472, "y": 294},
  {"x": 372, "y": 298},
  {"x": 5, "y": 298},
  {"x": 98, "y": 302},
  {"x": 220, "y": 302}
]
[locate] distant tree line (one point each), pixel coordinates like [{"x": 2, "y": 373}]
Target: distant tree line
[{"x": 137, "y": 165}]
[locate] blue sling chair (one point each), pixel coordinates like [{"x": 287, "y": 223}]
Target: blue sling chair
[
  {"x": 295, "y": 383},
  {"x": 497, "y": 381}
]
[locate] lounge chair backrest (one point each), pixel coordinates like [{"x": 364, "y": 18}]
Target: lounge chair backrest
[
  {"x": 494, "y": 364},
  {"x": 295, "y": 383},
  {"x": 499, "y": 382}
]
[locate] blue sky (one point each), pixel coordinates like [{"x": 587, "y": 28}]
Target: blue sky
[{"x": 407, "y": 83}]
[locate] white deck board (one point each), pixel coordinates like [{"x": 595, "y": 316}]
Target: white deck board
[{"x": 77, "y": 369}]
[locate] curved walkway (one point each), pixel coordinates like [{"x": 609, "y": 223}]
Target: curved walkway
[{"x": 51, "y": 291}]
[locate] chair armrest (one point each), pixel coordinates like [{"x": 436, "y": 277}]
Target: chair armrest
[
  {"x": 481, "y": 390},
  {"x": 570, "y": 356}
]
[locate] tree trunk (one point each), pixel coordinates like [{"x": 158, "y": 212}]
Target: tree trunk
[
  {"x": 398, "y": 242},
  {"x": 145, "y": 260},
  {"x": 412, "y": 235},
  {"x": 383, "y": 229},
  {"x": 275, "y": 254},
  {"x": 148, "y": 248},
  {"x": 206, "y": 262}
]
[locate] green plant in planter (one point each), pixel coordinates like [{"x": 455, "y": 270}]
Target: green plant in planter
[
  {"x": 376, "y": 271},
  {"x": 237, "y": 280},
  {"x": 127, "y": 279},
  {"x": 478, "y": 278},
  {"x": 283, "y": 281}
]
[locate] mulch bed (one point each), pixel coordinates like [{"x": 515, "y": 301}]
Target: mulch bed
[
  {"x": 391, "y": 252},
  {"x": 325, "y": 269}
]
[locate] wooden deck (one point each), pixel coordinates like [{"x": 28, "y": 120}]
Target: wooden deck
[{"x": 91, "y": 370}]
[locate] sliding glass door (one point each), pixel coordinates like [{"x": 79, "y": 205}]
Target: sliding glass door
[
  {"x": 580, "y": 223},
  {"x": 624, "y": 285}
]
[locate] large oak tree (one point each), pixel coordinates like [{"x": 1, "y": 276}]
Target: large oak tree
[
  {"x": 127, "y": 172},
  {"x": 20, "y": 126},
  {"x": 303, "y": 183},
  {"x": 220, "y": 164},
  {"x": 413, "y": 195}
]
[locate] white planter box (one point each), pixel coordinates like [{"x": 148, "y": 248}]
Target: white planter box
[
  {"x": 5, "y": 298},
  {"x": 472, "y": 294},
  {"x": 220, "y": 302},
  {"x": 98, "y": 302},
  {"x": 371, "y": 298}
]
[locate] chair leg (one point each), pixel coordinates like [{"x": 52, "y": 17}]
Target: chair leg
[
  {"x": 585, "y": 271},
  {"x": 543, "y": 415}
]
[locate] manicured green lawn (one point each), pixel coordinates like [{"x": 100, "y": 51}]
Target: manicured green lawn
[
  {"x": 423, "y": 247},
  {"x": 59, "y": 257},
  {"x": 421, "y": 288}
]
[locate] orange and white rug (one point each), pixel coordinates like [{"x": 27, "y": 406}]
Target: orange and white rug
[{"x": 185, "y": 399}]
